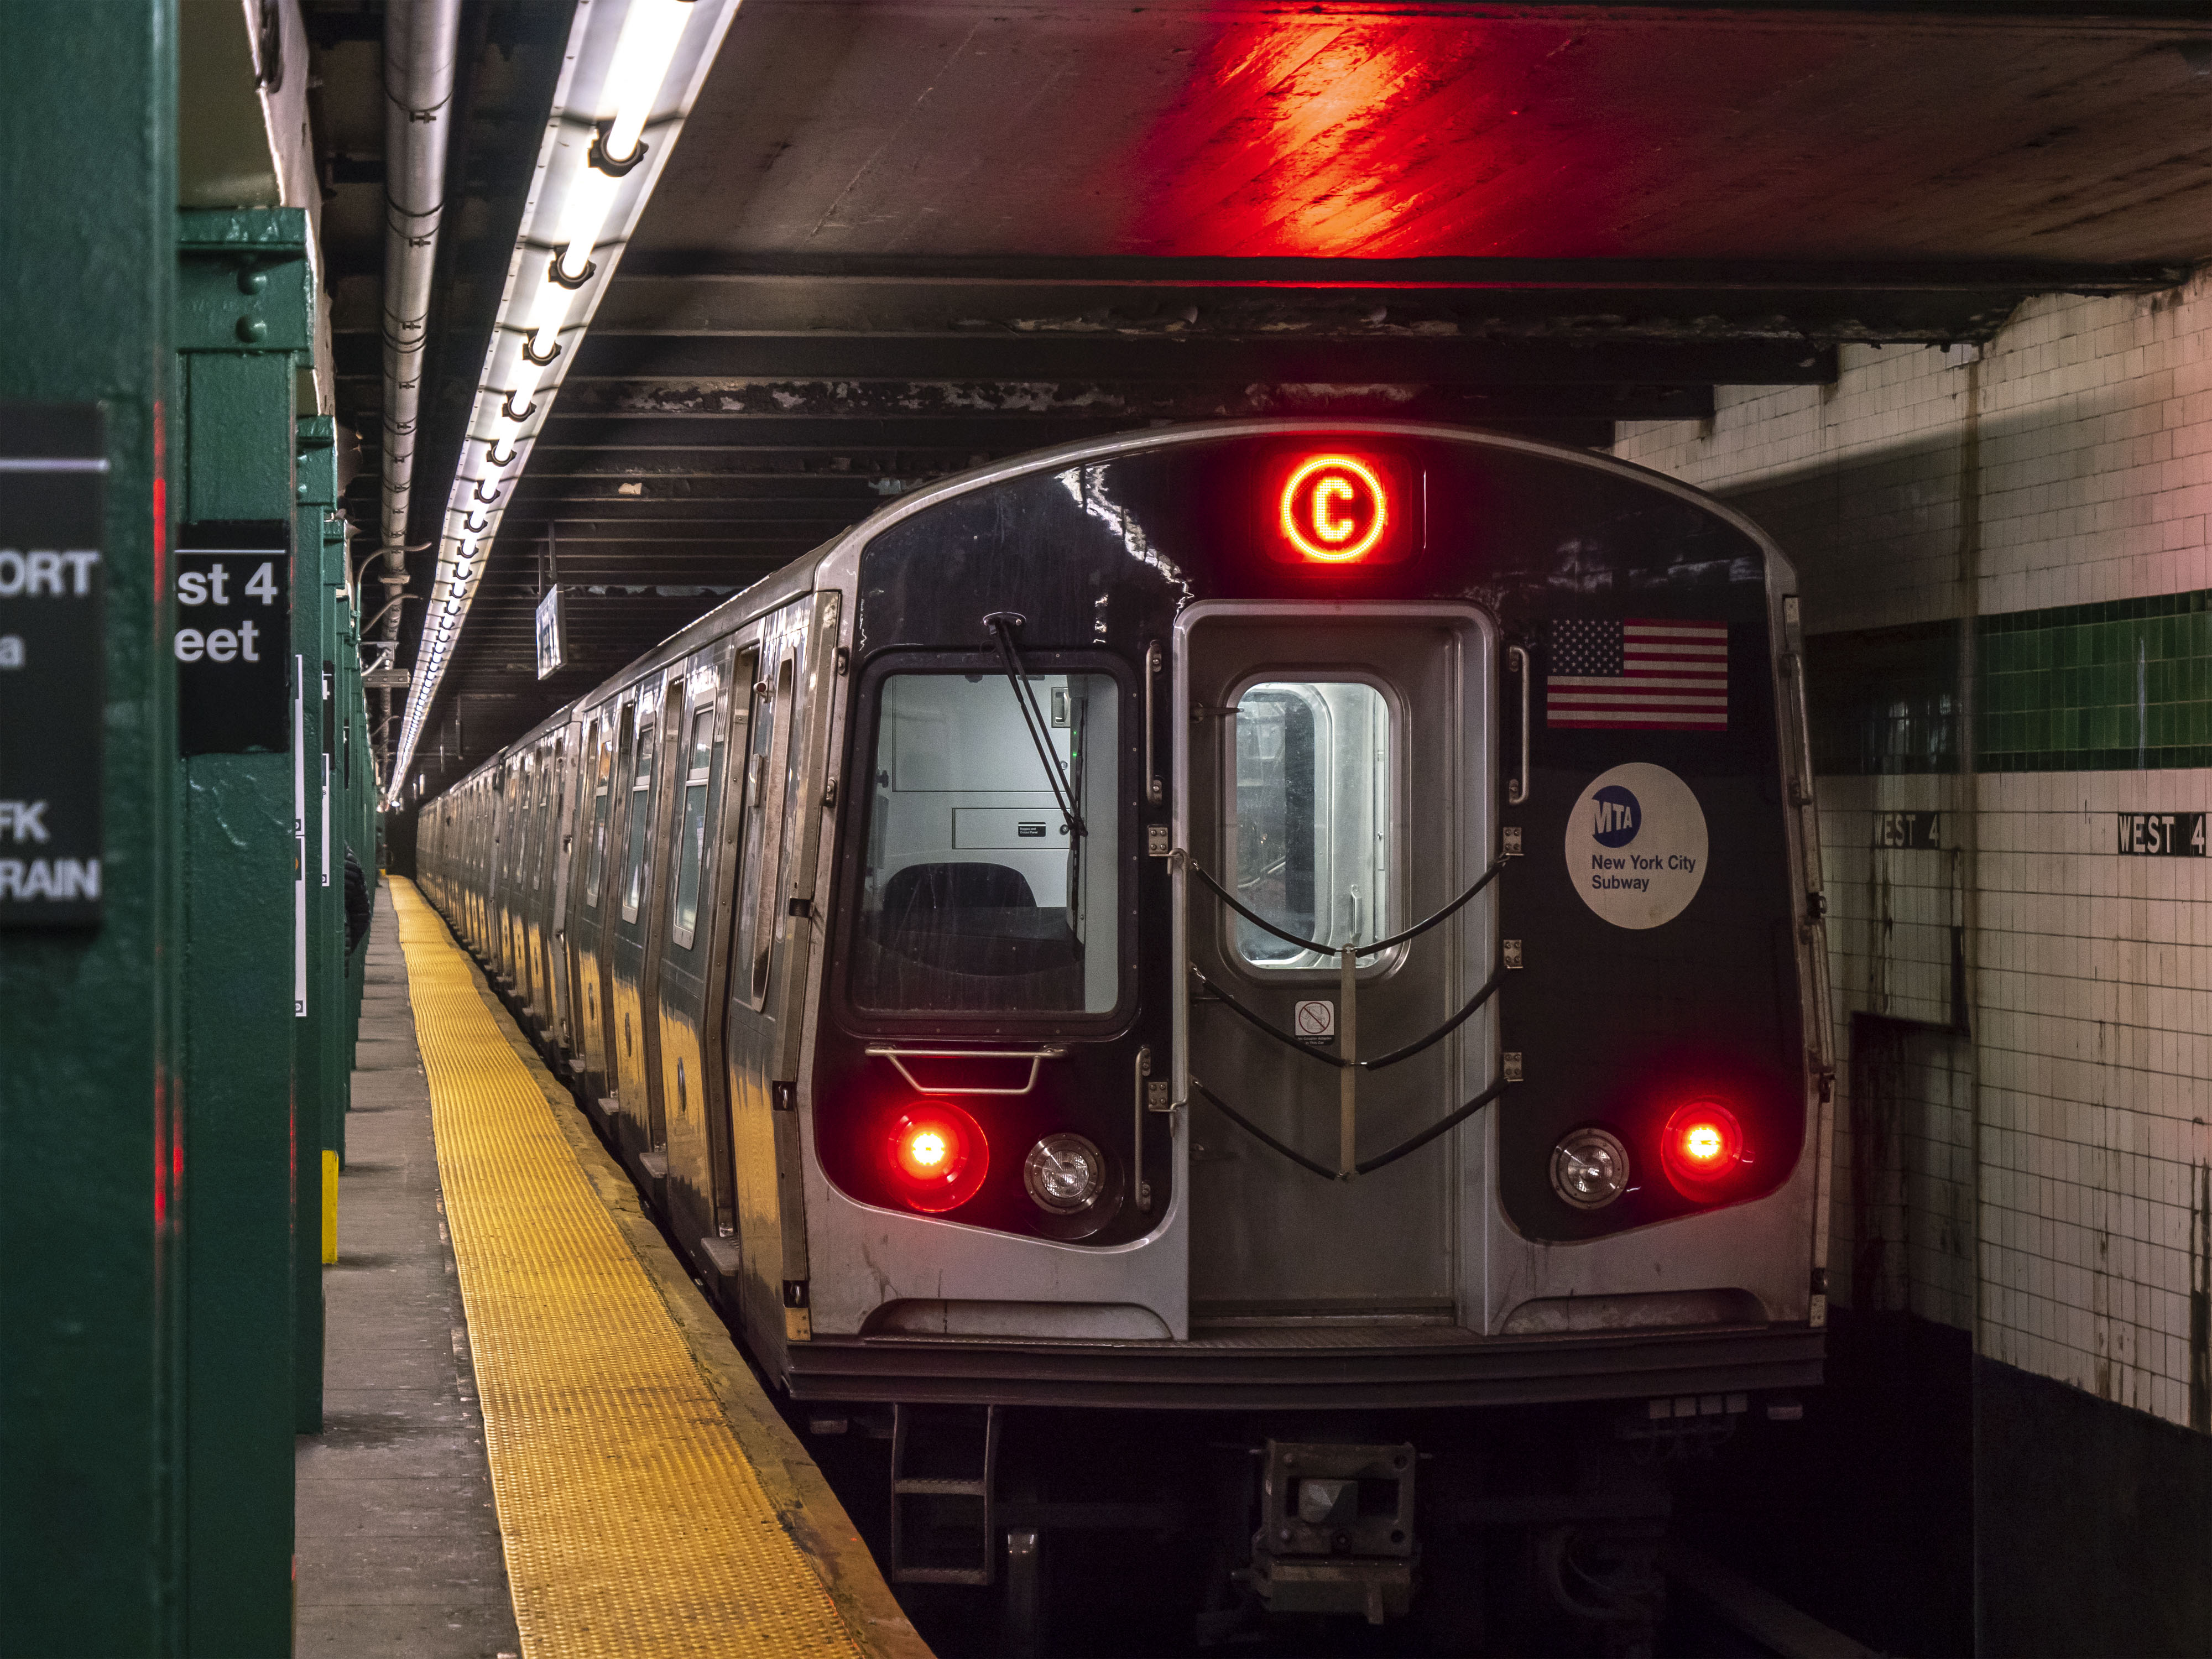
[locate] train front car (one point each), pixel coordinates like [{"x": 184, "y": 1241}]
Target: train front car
[{"x": 1321, "y": 923}]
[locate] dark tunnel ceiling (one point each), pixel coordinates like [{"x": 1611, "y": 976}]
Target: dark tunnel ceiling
[{"x": 896, "y": 239}]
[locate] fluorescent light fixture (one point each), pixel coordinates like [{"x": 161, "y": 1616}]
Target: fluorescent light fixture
[{"x": 631, "y": 71}]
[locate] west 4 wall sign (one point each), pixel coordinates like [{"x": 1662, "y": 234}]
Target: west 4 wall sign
[{"x": 2162, "y": 835}]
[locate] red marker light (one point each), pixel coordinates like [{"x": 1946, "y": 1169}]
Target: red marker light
[
  {"x": 1703, "y": 1144},
  {"x": 940, "y": 1155},
  {"x": 1334, "y": 508},
  {"x": 926, "y": 1151}
]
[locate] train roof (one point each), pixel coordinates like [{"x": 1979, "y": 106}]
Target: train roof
[{"x": 772, "y": 592}]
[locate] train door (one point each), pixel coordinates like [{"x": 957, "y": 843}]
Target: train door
[
  {"x": 499, "y": 810},
  {"x": 633, "y": 1030},
  {"x": 761, "y": 1137},
  {"x": 1339, "y": 785},
  {"x": 650, "y": 883},
  {"x": 526, "y": 878},
  {"x": 515, "y": 836},
  {"x": 624, "y": 945},
  {"x": 587, "y": 931},
  {"x": 693, "y": 948},
  {"x": 541, "y": 860},
  {"x": 562, "y": 834}
]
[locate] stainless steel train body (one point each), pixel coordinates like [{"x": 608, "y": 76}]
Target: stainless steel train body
[{"x": 922, "y": 853}]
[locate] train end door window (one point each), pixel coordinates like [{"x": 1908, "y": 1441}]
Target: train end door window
[
  {"x": 976, "y": 896},
  {"x": 1312, "y": 831},
  {"x": 691, "y": 849}
]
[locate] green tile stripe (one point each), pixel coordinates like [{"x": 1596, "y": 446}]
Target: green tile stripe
[{"x": 2125, "y": 685}]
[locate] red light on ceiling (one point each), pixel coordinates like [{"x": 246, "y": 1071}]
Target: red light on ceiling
[
  {"x": 1334, "y": 509},
  {"x": 940, "y": 1155},
  {"x": 1702, "y": 1146}
]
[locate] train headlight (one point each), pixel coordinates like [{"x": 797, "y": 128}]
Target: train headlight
[
  {"x": 1702, "y": 1146},
  {"x": 940, "y": 1155},
  {"x": 1590, "y": 1169},
  {"x": 1064, "y": 1174}
]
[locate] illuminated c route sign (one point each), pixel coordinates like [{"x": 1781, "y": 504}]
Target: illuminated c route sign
[{"x": 1329, "y": 506}]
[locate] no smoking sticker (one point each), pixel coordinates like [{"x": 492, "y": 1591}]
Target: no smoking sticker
[{"x": 1636, "y": 845}]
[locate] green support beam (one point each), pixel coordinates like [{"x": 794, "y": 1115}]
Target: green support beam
[
  {"x": 90, "y": 1315},
  {"x": 245, "y": 306},
  {"x": 319, "y": 1077}
]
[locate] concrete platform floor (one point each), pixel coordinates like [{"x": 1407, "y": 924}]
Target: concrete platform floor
[{"x": 399, "y": 1543}]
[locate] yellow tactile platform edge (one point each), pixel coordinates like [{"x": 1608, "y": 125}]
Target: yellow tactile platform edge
[{"x": 633, "y": 1522}]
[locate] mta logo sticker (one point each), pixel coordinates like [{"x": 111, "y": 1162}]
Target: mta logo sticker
[
  {"x": 1617, "y": 817},
  {"x": 1636, "y": 845}
]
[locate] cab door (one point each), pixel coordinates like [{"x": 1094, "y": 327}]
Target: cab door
[{"x": 1338, "y": 781}]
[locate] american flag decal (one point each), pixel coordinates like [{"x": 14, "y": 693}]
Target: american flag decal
[{"x": 1645, "y": 674}]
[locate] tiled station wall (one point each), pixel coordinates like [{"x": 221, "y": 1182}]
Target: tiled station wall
[{"x": 2004, "y": 561}]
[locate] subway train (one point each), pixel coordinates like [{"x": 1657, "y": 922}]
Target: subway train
[{"x": 1298, "y": 943}]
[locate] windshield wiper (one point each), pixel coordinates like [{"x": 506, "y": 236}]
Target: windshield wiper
[{"x": 1002, "y": 625}]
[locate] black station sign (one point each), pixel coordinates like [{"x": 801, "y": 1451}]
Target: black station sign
[
  {"x": 552, "y": 633},
  {"x": 53, "y": 704},
  {"x": 233, "y": 638},
  {"x": 2162, "y": 835}
]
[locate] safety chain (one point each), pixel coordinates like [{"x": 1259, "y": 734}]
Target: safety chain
[
  {"x": 1367, "y": 1166},
  {"x": 1348, "y": 1064},
  {"x": 1379, "y": 944}
]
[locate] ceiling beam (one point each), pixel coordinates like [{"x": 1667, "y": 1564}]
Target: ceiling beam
[
  {"x": 1337, "y": 275},
  {"x": 1582, "y": 301},
  {"x": 1107, "y": 356},
  {"x": 618, "y": 417}
]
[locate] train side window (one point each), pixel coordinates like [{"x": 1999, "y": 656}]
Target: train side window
[
  {"x": 1310, "y": 832},
  {"x": 602, "y": 795},
  {"x": 640, "y": 809},
  {"x": 976, "y": 897},
  {"x": 691, "y": 849}
]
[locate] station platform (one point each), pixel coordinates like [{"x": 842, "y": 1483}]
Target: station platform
[{"x": 539, "y": 1439}]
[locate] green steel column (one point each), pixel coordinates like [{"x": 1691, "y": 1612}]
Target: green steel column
[
  {"x": 336, "y": 1062},
  {"x": 243, "y": 311},
  {"x": 90, "y": 1310},
  {"x": 320, "y": 1087},
  {"x": 358, "y": 772}
]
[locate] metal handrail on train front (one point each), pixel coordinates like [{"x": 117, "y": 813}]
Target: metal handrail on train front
[{"x": 899, "y": 1056}]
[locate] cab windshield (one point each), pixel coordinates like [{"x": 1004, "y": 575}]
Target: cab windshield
[{"x": 976, "y": 897}]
